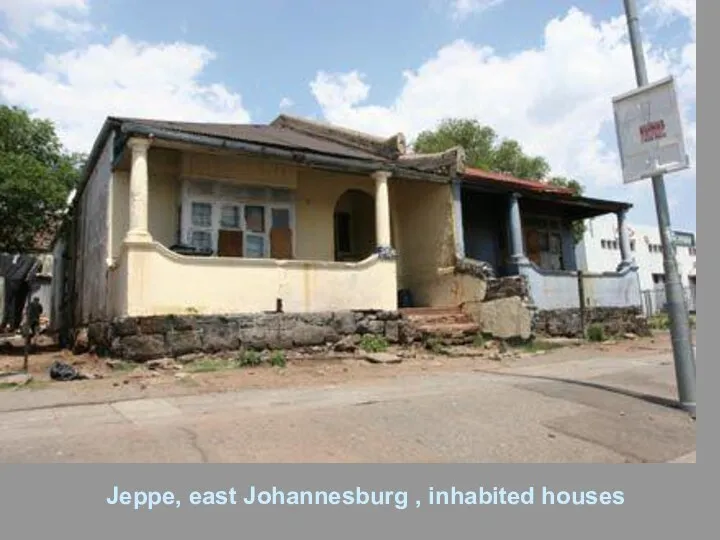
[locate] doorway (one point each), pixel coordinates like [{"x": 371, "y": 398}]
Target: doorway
[{"x": 354, "y": 226}]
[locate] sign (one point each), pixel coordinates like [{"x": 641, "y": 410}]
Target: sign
[
  {"x": 649, "y": 131},
  {"x": 684, "y": 239}
]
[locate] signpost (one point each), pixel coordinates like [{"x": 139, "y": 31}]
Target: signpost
[{"x": 651, "y": 144}]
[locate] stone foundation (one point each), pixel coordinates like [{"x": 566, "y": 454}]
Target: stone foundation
[
  {"x": 566, "y": 322},
  {"x": 140, "y": 339}
]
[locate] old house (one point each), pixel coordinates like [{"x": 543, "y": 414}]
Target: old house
[{"x": 188, "y": 236}]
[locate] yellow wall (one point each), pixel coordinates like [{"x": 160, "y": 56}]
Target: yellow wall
[
  {"x": 316, "y": 197},
  {"x": 316, "y": 193},
  {"x": 423, "y": 234},
  {"x": 162, "y": 282}
]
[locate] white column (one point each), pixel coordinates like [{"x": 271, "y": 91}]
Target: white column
[
  {"x": 138, "y": 230},
  {"x": 382, "y": 209},
  {"x": 625, "y": 251}
]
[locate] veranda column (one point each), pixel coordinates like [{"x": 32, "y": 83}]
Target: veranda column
[
  {"x": 382, "y": 212},
  {"x": 458, "y": 219},
  {"x": 138, "y": 230},
  {"x": 517, "y": 253},
  {"x": 625, "y": 251}
]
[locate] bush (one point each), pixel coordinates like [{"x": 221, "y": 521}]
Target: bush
[
  {"x": 278, "y": 359},
  {"x": 249, "y": 359},
  {"x": 478, "y": 341},
  {"x": 373, "y": 344},
  {"x": 596, "y": 332}
]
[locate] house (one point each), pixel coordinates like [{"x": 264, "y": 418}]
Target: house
[
  {"x": 24, "y": 276},
  {"x": 187, "y": 236},
  {"x": 599, "y": 251},
  {"x": 525, "y": 228},
  {"x": 175, "y": 218}
]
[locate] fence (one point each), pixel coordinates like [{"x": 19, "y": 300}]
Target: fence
[{"x": 654, "y": 301}]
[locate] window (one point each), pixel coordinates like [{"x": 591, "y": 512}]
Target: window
[
  {"x": 238, "y": 221},
  {"x": 603, "y": 244},
  {"x": 632, "y": 245},
  {"x": 544, "y": 242},
  {"x": 692, "y": 251}
]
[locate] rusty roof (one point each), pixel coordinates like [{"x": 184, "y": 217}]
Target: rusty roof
[
  {"x": 472, "y": 174},
  {"x": 270, "y": 135}
]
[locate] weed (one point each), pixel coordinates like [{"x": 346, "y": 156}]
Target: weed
[
  {"x": 207, "y": 365},
  {"x": 249, "y": 359},
  {"x": 278, "y": 359},
  {"x": 596, "y": 332},
  {"x": 536, "y": 345},
  {"x": 478, "y": 341},
  {"x": 434, "y": 345},
  {"x": 373, "y": 344}
]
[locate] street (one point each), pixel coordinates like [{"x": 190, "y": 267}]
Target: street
[{"x": 604, "y": 410}]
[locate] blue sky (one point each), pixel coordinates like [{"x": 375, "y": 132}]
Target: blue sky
[{"x": 540, "y": 72}]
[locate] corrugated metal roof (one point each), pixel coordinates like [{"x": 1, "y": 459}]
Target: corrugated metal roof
[
  {"x": 532, "y": 185},
  {"x": 260, "y": 134}
]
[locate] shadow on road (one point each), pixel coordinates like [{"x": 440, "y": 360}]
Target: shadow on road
[{"x": 648, "y": 398}]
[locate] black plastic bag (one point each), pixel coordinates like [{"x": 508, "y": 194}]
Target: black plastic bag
[{"x": 59, "y": 371}]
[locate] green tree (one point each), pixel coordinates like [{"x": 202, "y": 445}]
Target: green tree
[
  {"x": 36, "y": 177},
  {"x": 578, "y": 227},
  {"x": 482, "y": 148},
  {"x": 485, "y": 151}
]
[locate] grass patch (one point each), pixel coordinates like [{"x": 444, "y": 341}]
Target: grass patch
[
  {"x": 538, "y": 345},
  {"x": 661, "y": 321},
  {"x": 435, "y": 345},
  {"x": 32, "y": 385},
  {"x": 209, "y": 365},
  {"x": 373, "y": 344},
  {"x": 596, "y": 333},
  {"x": 249, "y": 359},
  {"x": 278, "y": 359}
]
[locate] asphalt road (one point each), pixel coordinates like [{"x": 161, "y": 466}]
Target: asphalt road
[{"x": 607, "y": 410}]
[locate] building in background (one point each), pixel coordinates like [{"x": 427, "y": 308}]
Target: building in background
[{"x": 599, "y": 251}]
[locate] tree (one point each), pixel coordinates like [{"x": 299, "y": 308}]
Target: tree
[
  {"x": 36, "y": 177},
  {"x": 578, "y": 227},
  {"x": 482, "y": 150}
]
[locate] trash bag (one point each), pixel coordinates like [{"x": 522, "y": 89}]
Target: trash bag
[{"x": 60, "y": 371}]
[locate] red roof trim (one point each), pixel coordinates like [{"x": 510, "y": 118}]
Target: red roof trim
[{"x": 471, "y": 174}]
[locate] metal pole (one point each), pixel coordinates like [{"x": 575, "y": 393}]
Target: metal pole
[{"x": 677, "y": 309}]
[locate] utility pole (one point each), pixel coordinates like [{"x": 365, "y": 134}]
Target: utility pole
[{"x": 683, "y": 351}]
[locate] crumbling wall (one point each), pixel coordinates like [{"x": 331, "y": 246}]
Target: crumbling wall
[{"x": 144, "y": 338}]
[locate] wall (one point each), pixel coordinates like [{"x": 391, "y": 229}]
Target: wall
[
  {"x": 159, "y": 281},
  {"x": 599, "y": 259},
  {"x": 559, "y": 290},
  {"x": 58, "y": 284},
  {"x": 484, "y": 224},
  {"x": 422, "y": 224},
  {"x": 316, "y": 196},
  {"x": 316, "y": 193},
  {"x": 182, "y": 337},
  {"x": 551, "y": 290},
  {"x": 93, "y": 238}
]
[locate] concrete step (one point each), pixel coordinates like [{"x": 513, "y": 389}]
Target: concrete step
[{"x": 450, "y": 330}]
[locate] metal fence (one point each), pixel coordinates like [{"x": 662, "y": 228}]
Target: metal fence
[{"x": 654, "y": 301}]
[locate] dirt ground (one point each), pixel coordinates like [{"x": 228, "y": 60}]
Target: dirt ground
[{"x": 129, "y": 381}]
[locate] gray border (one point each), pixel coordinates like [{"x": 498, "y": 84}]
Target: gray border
[{"x": 660, "y": 501}]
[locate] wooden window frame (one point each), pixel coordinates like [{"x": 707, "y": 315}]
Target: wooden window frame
[{"x": 217, "y": 200}]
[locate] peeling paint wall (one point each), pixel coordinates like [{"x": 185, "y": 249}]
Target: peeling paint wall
[
  {"x": 422, "y": 224},
  {"x": 92, "y": 245}
]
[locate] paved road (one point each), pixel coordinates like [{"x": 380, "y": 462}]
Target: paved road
[{"x": 569, "y": 412}]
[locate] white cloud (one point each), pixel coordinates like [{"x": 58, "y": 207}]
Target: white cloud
[
  {"x": 555, "y": 99},
  {"x": 80, "y": 88},
  {"x": 461, "y": 9},
  {"x": 7, "y": 43},
  {"x": 286, "y": 103},
  {"x": 62, "y": 16}
]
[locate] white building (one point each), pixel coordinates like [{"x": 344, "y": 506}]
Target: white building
[{"x": 599, "y": 251}]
